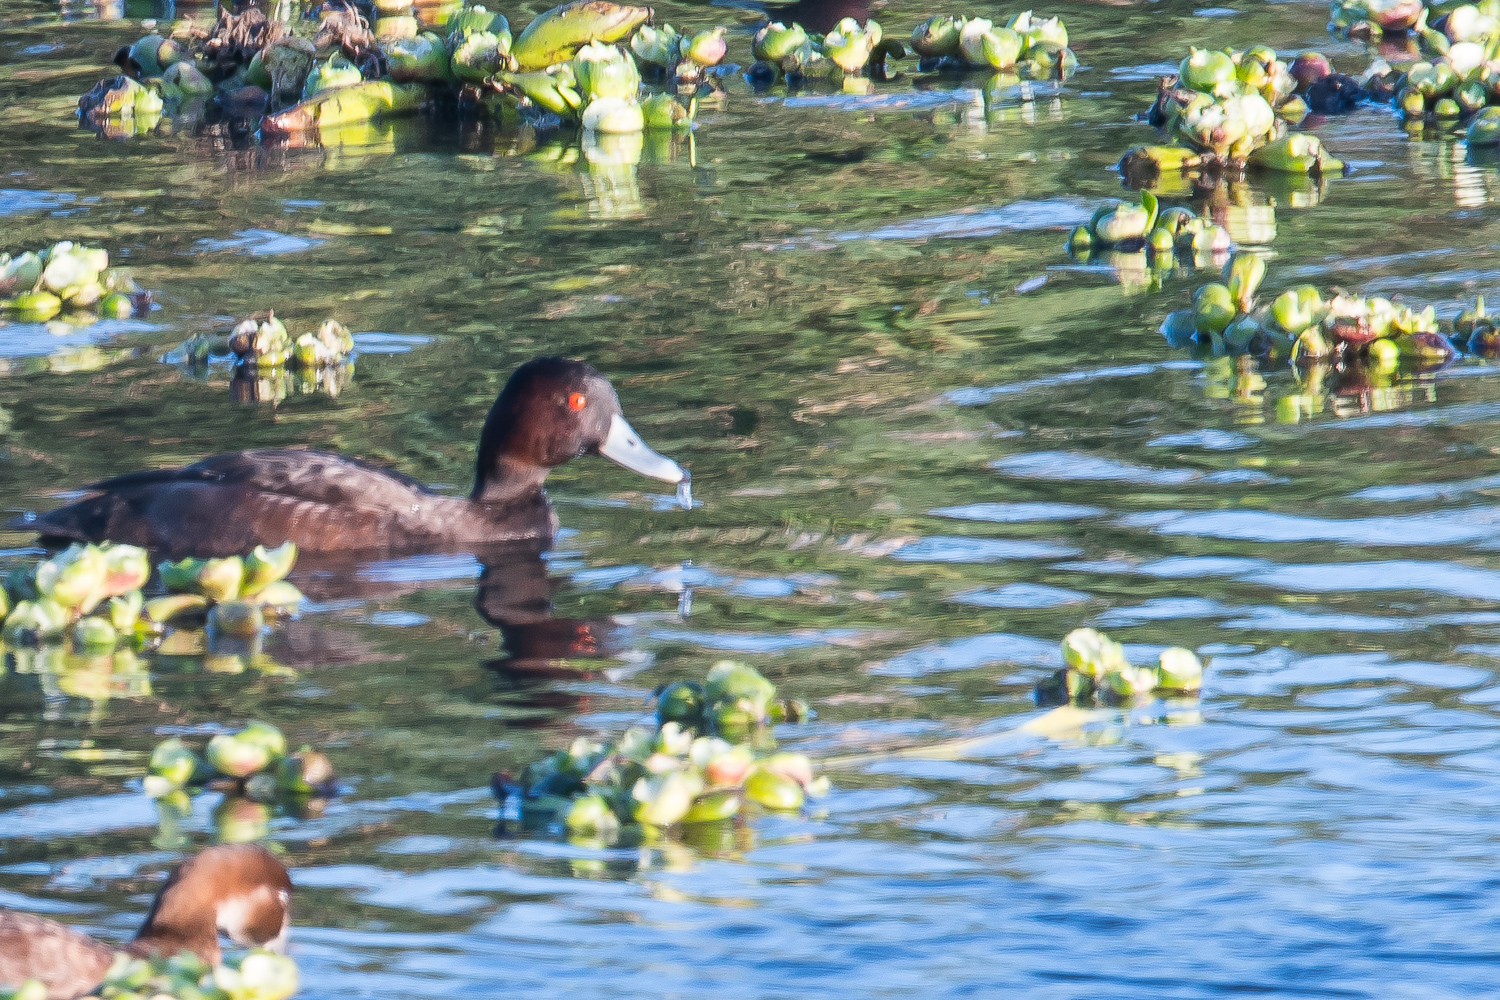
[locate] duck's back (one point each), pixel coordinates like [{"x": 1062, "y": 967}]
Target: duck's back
[
  {"x": 230, "y": 503},
  {"x": 69, "y": 963}
]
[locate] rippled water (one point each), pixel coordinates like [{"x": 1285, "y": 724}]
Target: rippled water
[{"x": 925, "y": 445}]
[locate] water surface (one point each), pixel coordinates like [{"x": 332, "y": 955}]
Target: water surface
[{"x": 926, "y": 446}]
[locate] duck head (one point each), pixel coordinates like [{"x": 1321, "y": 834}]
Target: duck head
[
  {"x": 550, "y": 411},
  {"x": 240, "y": 890}
]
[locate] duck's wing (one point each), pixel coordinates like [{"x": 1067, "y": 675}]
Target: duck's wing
[
  {"x": 313, "y": 476},
  {"x": 229, "y": 501}
]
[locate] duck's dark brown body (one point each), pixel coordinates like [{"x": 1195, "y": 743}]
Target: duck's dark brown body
[
  {"x": 325, "y": 503},
  {"x": 550, "y": 410},
  {"x": 69, "y": 963}
]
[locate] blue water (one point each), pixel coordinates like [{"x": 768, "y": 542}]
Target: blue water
[{"x": 925, "y": 445}]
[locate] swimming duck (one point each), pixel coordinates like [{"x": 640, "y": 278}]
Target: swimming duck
[
  {"x": 240, "y": 889},
  {"x": 550, "y": 410}
]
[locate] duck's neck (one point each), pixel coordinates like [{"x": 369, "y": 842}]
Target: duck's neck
[
  {"x": 503, "y": 480},
  {"x": 168, "y": 931}
]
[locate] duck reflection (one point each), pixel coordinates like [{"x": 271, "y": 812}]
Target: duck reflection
[
  {"x": 515, "y": 595},
  {"x": 818, "y": 15}
]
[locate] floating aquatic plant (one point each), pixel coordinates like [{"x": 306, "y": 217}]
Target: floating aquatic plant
[
  {"x": 90, "y": 596},
  {"x": 262, "y": 342},
  {"x": 253, "y": 760},
  {"x": 36, "y": 286},
  {"x": 259, "y": 975},
  {"x": 1228, "y": 110},
  {"x": 1306, "y": 325},
  {"x": 253, "y": 770},
  {"x": 1098, "y": 670},
  {"x": 708, "y": 758}
]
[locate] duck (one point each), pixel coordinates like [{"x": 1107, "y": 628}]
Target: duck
[
  {"x": 551, "y": 410},
  {"x": 239, "y": 889}
]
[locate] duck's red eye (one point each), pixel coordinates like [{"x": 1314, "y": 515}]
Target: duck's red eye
[{"x": 577, "y": 401}]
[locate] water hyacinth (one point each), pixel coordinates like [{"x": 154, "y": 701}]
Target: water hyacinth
[
  {"x": 1123, "y": 221},
  {"x": 36, "y": 621},
  {"x": 663, "y": 111},
  {"x": 263, "y": 567},
  {"x": 266, "y": 344},
  {"x": 677, "y": 773},
  {"x": 35, "y": 286},
  {"x": 850, "y": 44},
  {"x": 256, "y": 580},
  {"x": 43, "y": 602},
  {"x": 1243, "y": 275},
  {"x": 478, "y": 55},
  {"x": 75, "y": 577},
  {"x": 775, "y": 41},
  {"x": 613, "y": 115},
  {"x": 707, "y": 48},
  {"x": 144, "y": 51},
  {"x": 1091, "y": 652},
  {"x": 423, "y": 59},
  {"x": 1179, "y": 669},
  {"x": 1229, "y": 127},
  {"x": 306, "y": 773},
  {"x": 1208, "y": 71},
  {"x": 174, "y": 762},
  {"x": 331, "y": 74},
  {"x": 263, "y": 342},
  {"x": 21, "y": 272},
  {"x": 1297, "y": 153},
  {"x": 937, "y": 36},
  {"x": 1296, "y": 309},
  {"x": 556, "y": 35},
  {"x": 235, "y": 619},
  {"x": 1227, "y": 108},
  {"x": 92, "y": 635},
  {"x": 120, "y": 97},
  {"x": 1304, "y": 325},
  {"x": 1372, "y": 18},
  {"x": 187, "y": 80},
  {"x": 478, "y": 18},
  {"x": 1158, "y": 238},
  {"x": 659, "y": 47},
  {"x": 982, "y": 44},
  {"x": 394, "y": 28},
  {"x": 1039, "y": 30},
  {"x": 1097, "y": 668},
  {"x": 605, "y": 71},
  {"x": 258, "y": 975},
  {"x": 252, "y": 765},
  {"x": 235, "y": 758},
  {"x": 332, "y": 344}
]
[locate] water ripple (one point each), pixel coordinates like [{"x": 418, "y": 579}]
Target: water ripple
[
  {"x": 954, "y": 549},
  {"x": 1020, "y": 216},
  {"x": 1473, "y": 524},
  {"x": 1077, "y": 467}
]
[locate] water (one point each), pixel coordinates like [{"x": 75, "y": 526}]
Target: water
[{"x": 924, "y": 446}]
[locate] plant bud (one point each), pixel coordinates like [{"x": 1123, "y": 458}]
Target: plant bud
[{"x": 1179, "y": 669}]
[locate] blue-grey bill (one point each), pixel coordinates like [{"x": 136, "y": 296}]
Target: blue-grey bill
[{"x": 624, "y": 447}]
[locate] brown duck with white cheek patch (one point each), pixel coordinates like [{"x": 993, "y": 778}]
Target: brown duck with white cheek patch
[
  {"x": 239, "y": 889},
  {"x": 550, "y": 411}
]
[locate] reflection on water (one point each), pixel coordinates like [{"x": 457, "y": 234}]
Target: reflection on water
[{"x": 924, "y": 447}]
